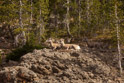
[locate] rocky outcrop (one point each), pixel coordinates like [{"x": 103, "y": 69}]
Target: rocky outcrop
[{"x": 47, "y": 66}]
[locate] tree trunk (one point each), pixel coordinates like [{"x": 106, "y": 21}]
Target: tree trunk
[
  {"x": 40, "y": 31},
  {"x": 11, "y": 32},
  {"x": 118, "y": 39},
  {"x": 88, "y": 15},
  {"x": 21, "y": 25},
  {"x": 31, "y": 13},
  {"x": 56, "y": 20},
  {"x": 68, "y": 20},
  {"x": 79, "y": 17},
  {"x": 41, "y": 27},
  {"x": 20, "y": 15},
  {"x": 87, "y": 11},
  {"x": 16, "y": 41}
]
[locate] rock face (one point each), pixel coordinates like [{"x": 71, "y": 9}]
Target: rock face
[{"x": 47, "y": 66}]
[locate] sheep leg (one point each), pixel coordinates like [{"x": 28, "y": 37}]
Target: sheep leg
[
  {"x": 54, "y": 48},
  {"x": 67, "y": 48}
]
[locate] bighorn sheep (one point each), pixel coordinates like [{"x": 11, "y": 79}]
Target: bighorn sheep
[
  {"x": 53, "y": 45},
  {"x": 69, "y": 46}
]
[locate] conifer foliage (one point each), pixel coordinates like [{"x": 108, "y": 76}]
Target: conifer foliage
[{"x": 35, "y": 20}]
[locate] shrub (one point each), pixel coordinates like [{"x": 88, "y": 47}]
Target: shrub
[{"x": 17, "y": 53}]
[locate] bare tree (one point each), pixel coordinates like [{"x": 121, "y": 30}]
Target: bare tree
[{"x": 118, "y": 39}]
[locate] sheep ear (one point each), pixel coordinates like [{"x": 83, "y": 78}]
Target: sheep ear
[
  {"x": 47, "y": 41},
  {"x": 53, "y": 39},
  {"x": 50, "y": 39}
]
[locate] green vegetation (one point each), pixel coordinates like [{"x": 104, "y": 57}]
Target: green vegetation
[
  {"x": 28, "y": 23},
  {"x": 42, "y": 19},
  {"x": 47, "y": 18},
  {"x": 17, "y": 53}
]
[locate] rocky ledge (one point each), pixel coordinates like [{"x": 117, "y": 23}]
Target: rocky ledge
[{"x": 47, "y": 66}]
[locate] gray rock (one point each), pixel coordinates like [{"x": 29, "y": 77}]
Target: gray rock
[{"x": 48, "y": 66}]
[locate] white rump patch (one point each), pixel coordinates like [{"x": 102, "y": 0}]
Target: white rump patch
[{"x": 78, "y": 47}]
